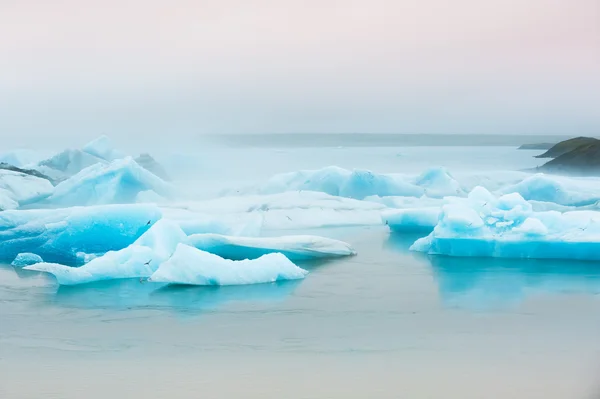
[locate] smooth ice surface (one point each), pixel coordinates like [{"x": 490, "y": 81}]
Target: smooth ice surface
[
  {"x": 189, "y": 265},
  {"x": 287, "y": 211},
  {"x": 116, "y": 183},
  {"x": 334, "y": 180},
  {"x": 412, "y": 219},
  {"x": 58, "y": 235},
  {"x": 21, "y": 157},
  {"x": 557, "y": 189},
  {"x": 26, "y": 259},
  {"x": 103, "y": 149},
  {"x": 67, "y": 163},
  {"x": 485, "y": 226},
  {"x": 300, "y": 247},
  {"x": 140, "y": 259},
  {"x": 20, "y": 189}
]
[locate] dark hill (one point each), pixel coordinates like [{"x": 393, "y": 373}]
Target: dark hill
[
  {"x": 583, "y": 160},
  {"x": 566, "y": 146}
]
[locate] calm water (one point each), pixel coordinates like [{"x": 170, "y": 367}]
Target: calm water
[{"x": 387, "y": 323}]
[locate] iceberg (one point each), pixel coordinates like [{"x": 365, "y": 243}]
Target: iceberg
[
  {"x": 61, "y": 235},
  {"x": 140, "y": 259},
  {"x": 356, "y": 184},
  {"x": 508, "y": 227},
  {"x": 191, "y": 266},
  {"x": 66, "y": 164},
  {"x": 102, "y": 148},
  {"x": 412, "y": 220},
  {"x": 291, "y": 210},
  {"x": 118, "y": 182},
  {"x": 295, "y": 248},
  {"x": 26, "y": 259},
  {"x": 557, "y": 189},
  {"x": 439, "y": 183},
  {"x": 17, "y": 189}
]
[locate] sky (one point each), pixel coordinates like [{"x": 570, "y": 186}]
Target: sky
[{"x": 71, "y": 70}]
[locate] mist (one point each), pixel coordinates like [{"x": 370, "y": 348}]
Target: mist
[{"x": 144, "y": 70}]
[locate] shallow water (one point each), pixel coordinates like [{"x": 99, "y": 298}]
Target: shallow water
[{"x": 387, "y": 323}]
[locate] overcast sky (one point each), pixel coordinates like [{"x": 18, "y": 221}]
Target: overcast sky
[{"x": 70, "y": 69}]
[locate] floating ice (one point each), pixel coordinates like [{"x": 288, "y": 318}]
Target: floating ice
[
  {"x": 285, "y": 211},
  {"x": 59, "y": 235},
  {"x": 189, "y": 265},
  {"x": 26, "y": 259},
  {"x": 116, "y": 183},
  {"x": 333, "y": 180},
  {"x": 103, "y": 149},
  {"x": 438, "y": 183},
  {"x": 302, "y": 247},
  {"x": 20, "y": 189},
  {"x": 485, "y": 226},
  {"x": 558, "y": 189},
  {"x": 140, "y": 259},
  {"x": 412, "y": 219},
  {"x": 67, "y": 163}
]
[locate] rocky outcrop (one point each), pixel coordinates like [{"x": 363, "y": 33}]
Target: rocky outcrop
[{"x": 566, "y": 146}]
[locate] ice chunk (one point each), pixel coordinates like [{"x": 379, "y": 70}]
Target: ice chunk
[
  {"x": 140, "y": 259},
  {"x": 283, "y": 211},
  {"x": 116, "y": 183},
  {"x": 189, "y": 265},
  {"x": 301, "y": 247},
  {"x": 103, "y": 149},
  {"x": 333, "y": 180},
  {"x": 557, "y": 189},
  {"x": 67, "y": 163},
  {"x": 20, "y": 189},
  {"x": 26, "y": 259},
  {"x": 412, "y": 219},
  {"x": 198, "y": 222},
  {"x": 438, "y": 183},
  {"x": 508, "y": 227},
  {"x": 58, "y": 235}
]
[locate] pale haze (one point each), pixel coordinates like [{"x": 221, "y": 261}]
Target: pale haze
[{"x": 71, "y": 70}]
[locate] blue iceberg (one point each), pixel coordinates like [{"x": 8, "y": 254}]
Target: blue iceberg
[
  {"x": 26, "y": 259},
  {"x": 560, "y": 190},
  {"x": 118, "y": 182},
  {"x": 412, "y": 220},
  {"x": 191, "y": 266},
  {"x": 140, "y": 259},
  {"x": 67, "y": 163},
  {"x": 359, "y": 184},
  {"x": 63, "y": 235},
  {"x": 303, "y": 247},
  {"x": 333, "y": 180},
  {"x": 508, "y": 227},
  {"x": 102, "y": 148}
]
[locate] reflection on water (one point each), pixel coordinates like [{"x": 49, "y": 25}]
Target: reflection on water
[
  {"x": 123, "y": 294},
  {"x": 477, "y": 282},
  {"x": 480, "y": 283}
]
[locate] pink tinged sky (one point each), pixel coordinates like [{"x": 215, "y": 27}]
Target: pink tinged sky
[{"x": 68, "y": 68}]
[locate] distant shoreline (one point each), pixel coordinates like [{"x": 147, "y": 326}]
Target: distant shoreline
[{"x": 378, "y": 140}]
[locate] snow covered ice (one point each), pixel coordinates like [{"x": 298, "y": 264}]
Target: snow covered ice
[
  {"x": 293, "y": 247},
  {"x": 189, "y": 265},
  {"x": 26, "y": 259},
  {"x": 117, "y": 182},
  {"x": 507, "y": 226}
]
